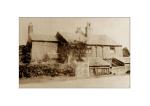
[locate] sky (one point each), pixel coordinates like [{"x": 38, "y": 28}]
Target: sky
[{"x": 116, "y": 28}]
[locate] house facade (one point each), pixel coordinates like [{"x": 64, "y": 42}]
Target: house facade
[
  {"x": 99, "y": 54},
  {"x": 102, "y": 46},
  {"x": 44, "y": 46}
]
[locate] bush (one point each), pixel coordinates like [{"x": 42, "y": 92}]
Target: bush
[
  {"x": 35, "y": 70},
  {"x": 23, "y": 71},
  {"x": 128, "y": 72},
  {"x": 69, "y": 70}
]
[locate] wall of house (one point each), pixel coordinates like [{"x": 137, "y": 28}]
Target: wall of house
[
  {"x": 118, "y": 52},
  {"x": 89, "y": 51},
  {"x": 40, "y": 49},
  {"x": 99, "y": 51},
  {"x": 94, "y": 51},
  {"x": 106, "y": 52}
]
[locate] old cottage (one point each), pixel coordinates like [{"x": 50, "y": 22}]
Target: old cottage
[{"x": 101, "y": 51}]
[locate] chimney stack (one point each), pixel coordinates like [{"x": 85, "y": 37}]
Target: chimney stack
[
  {"x": 30, "y": 31},
  {"x": 88, "y": 30}
]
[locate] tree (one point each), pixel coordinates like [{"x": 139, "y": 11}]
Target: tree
[
  {"x": 126, "y": 52},
  {"x": 76, "y": 49},
  {"x": 26, "y": 52},
  {"x": 79, "y": 50}
]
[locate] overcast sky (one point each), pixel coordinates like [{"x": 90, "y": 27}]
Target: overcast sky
[{"x": 116, "y": 28}]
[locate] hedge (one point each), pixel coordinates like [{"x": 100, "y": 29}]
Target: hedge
[{"x": 35, "y": 70}]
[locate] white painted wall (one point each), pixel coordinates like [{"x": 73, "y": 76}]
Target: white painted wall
[
  {"x": 40, "y": 49},
  {"x": 118, "y": 52},
  {"x": 105, "y": 52},
  {"x": 99, "y": 52}
]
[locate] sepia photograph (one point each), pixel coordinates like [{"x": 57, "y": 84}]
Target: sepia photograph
[{"x": 74, "y": 52}]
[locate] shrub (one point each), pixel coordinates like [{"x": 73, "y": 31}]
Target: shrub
[
  {"x": 35, "y": 70},
  {"x": 128, "y": 72},
  {"x": 23, "y": 71},
  {"x": 69, "y": 70}
]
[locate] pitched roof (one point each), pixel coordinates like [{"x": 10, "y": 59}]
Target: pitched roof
[
  {"x": 72, "y": 37},
  {"x": 44, "y": 37},
  {"x": 124, "y": 59},
  {"x": 101, "y": 40},
  {"x": 96, "y": 61},
  {"x": 91, "y": 40}
]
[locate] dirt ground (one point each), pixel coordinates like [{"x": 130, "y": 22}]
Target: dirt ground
[{"x": 119, "y": 81}]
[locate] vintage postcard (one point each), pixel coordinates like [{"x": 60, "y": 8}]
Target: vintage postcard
[{"x": 74, "y": 52}]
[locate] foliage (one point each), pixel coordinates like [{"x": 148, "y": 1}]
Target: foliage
[
  {"x": 77, "y": 50},
  {"x": 126, "y": 52},
  {"x": 26, "y": 51},
  {"x": 128, "y": 72},
  {"x": 35, "y": 70}
]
